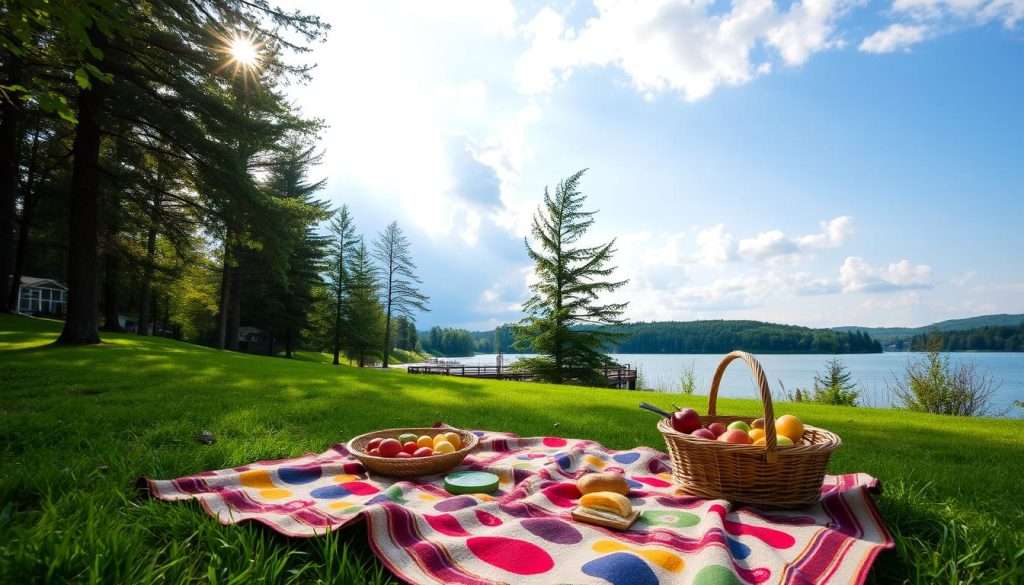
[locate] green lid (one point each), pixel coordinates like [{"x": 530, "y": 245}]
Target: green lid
[{"x": 470, "y": 482}]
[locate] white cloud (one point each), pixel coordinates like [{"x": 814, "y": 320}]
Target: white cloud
[
  {"x": 774, "y": 243},
  {"x": 714, "y": 245},
  {"x": 856, "y": 275},
  {"x": 675, "y": 45},
  {"x": 1007, "y": 12},
  {"x": 894, "y": 37},
  {"x": 833, "y": 234}
]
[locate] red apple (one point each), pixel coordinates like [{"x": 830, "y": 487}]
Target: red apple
[
  {"x": 735, "y": 436},
  {"x": 686, "y": 420},
  {"x": 403, "y": 455},
  {"x": 410, "y": 447},
  {"x": 373, "y": 444},
  {"x": 375, "y": 452},
  {"x": 390, "y": 447},
  {"x": 423, "y": 452},
  {"x": 717, "y": 428},
  {"x": 703, "y": 434}
]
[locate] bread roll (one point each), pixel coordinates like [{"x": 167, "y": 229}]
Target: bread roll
[
  {"x": 607, "y": 503},
  {"x": 603, "y": 482}
]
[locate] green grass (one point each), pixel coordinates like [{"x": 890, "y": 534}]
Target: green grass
[{"x": 79, "y": 425}]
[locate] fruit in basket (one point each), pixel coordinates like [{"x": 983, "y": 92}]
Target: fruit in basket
[
  {"x": 717, "y": 428},
  {"x": 410, "y": 447},
  {"x": 757, "y": 424},
  {"x": 686, "y": 420},
  {"x": 789, "y": 426},
  {"x": 425, "y": 441},
  {"x": 443, "y": 447},
  {"x": 738, "y": 425},
  {"x": 454, "y": 439},
  {"x": 780, "y": 441},
  {"x": 756, "y": 434},
  {"x": 704, "y": 434},
  {"x": 403, "y": 455},
  {"x": 406, "y": 437},
  {"x": 389, "y": 448},
  {"x": 373, "y": 444},
  {"x": 735, "y": 436},
  {"x": 375, "y": 452},
  {"x": 423, "y": 452}
]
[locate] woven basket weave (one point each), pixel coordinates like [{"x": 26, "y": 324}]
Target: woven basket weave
[
  {"x": 415, "y": 466},
  {"x": 766, "y": 475}
]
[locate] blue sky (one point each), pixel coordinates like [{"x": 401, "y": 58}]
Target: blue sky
[{"x": 819, "y": 162}]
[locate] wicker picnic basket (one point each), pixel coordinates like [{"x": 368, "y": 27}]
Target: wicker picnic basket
[
  {"x": 765, "y": 475},
  {"x": 416, "y": 466}
]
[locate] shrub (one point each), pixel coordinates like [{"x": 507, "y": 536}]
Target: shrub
[
  {"x": 932, "y": 384},
  {"x": 833, "y": 386},
  {"x": 688, "y": 381}
]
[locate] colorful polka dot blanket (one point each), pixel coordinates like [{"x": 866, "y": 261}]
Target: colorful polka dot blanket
[{"x": 524, "y": 534}]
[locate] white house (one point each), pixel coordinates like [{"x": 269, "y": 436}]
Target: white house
[{"x": 41, "y": 296}]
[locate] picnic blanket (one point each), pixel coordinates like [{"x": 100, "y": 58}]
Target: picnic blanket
[{"x": 524, "y": 533}]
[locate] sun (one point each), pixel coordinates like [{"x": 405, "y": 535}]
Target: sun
[{"x": 244, "y": 52}]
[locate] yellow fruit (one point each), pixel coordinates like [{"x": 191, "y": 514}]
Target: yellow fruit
[
  {"x": 425, "y": 441},
  {"x": 443, "y": 447},
  {"x": 756, "y": 434},
  {"x": 780, "y": 441},
  {"x": 789, "y": 426},
  {"x": 455, "y": 440}
]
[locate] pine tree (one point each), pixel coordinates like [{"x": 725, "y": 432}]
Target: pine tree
[
  {"x": 564, "y": 307},
  {"x": 343, "y": 243},
  {"x": 835, "y": 386},
  {"x": 399, "y": 287},
  {"x": 364, "y": 320}
]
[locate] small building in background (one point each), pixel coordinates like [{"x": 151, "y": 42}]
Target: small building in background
[{"x": 42, "y": 296}]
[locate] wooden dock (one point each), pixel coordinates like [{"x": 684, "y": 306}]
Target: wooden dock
[{"x": 620, "y": 377}]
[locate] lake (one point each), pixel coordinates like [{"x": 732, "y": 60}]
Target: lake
[{"x": 872, "y": 373}]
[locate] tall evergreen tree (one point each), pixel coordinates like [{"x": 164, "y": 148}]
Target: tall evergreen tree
[
  {"x": 364, "y": 319},
  {"x": 570, "y": 281},
  {"x": 399, "y": 281},
  {"x": 343, "y": 243}
]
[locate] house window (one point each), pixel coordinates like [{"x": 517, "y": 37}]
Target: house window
[{"x": 25, "y": 302}]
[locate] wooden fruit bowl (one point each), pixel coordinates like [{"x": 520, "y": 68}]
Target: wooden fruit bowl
[{"x": 414, "y": 466}]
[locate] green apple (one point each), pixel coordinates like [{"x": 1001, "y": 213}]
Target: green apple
[
  {"x": 738, "y": 425},
  {"x": 406, "y": 437}
]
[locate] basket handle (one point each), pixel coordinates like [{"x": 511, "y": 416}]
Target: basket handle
[{"x": 766, "y": 396}]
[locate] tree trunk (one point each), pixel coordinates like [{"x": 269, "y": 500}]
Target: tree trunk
[
  {"x": 337, "y": 309},
  {"x": 10, "y": 141},
  {"x": 225, "y": 296},
  {"x": 28, "y": 205},
  {"x": 147, "y": 278},
  {"x": 111, "y": 298},
  {"x": 111, "y": 274},
  {"x": 80, "y": 327},
  {"x": 234, "y": 307}
]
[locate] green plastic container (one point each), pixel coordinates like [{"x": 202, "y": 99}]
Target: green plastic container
[{"x": 470, "y": 482}]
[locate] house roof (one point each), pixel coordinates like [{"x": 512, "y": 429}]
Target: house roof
[{"x": 34, "y": 281}]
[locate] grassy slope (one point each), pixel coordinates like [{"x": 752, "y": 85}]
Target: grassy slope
[{"x": 78, "y": 425}]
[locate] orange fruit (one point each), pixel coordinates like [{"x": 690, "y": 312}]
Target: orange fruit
[
  {"x": 790, "y": 426},
  {"x": 443, "y": 447},
  {"x": 425, "y": 441},
  {"x": 756, "y": 434}
]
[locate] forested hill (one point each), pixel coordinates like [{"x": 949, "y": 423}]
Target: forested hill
[
  {"x": 979, "y": 339},
  {"x": 716, "y": 337},
  {"x": 899, "y": 338},
  {"x": 725, "y": 336}
]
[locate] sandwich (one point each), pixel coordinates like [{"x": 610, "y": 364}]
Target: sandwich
[
  {"x": 603, "y": 482},
  {"x": 608, "y": 505}
]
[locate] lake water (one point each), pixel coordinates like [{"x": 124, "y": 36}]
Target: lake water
[{"x": 872, "y": 373}]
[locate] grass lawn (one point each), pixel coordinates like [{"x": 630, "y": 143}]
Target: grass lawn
[{"x": 79, "y": 425}]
